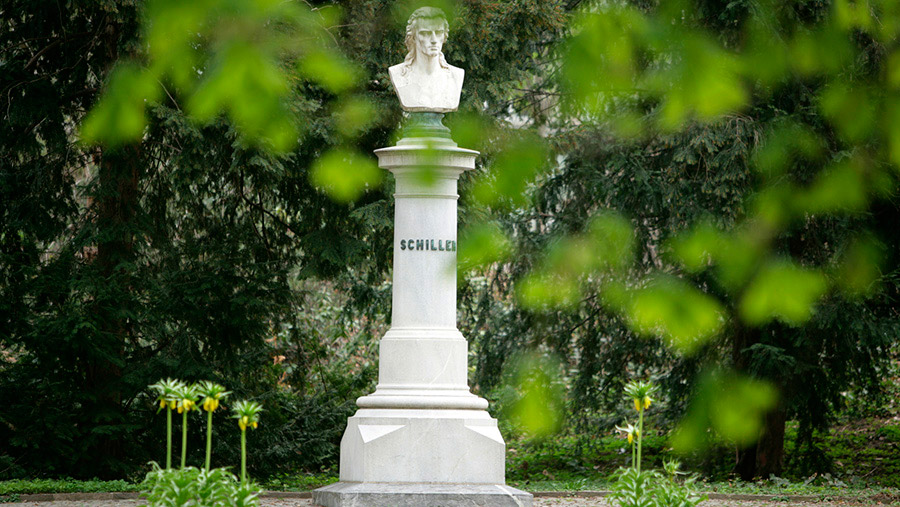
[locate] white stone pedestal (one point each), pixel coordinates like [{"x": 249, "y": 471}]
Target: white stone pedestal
[{"x": 422, "y": 438}]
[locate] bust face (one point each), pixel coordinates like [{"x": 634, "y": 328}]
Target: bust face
[{"x": 430, "y": 37}]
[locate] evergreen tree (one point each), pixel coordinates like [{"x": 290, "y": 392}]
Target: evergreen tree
[{"x": 185, "y": 243}]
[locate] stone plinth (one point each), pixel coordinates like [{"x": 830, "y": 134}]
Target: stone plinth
[{"x": 350, "y": 494}]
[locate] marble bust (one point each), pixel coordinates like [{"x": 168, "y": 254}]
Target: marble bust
[{"x": 425, "y": 82}]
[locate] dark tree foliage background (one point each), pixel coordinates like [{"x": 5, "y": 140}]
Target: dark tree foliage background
[
  {"x": 193, "y": 252},
  {"x": 667, "y": 182},
  {"x": 190, "y": 253}
]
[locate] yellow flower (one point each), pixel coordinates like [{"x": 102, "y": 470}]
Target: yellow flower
[
  {"x": 647, "y": 402},
  {"x": 242, "y": 422},
  {"x": 172, "y": 405},
  {"x": 255, "y": 425},
  {"x": 637, "y": 404},
  {"x": 163, "y": 404},
  {"x": 210, "y": 404},
  {"x": 631, "y": 438}
]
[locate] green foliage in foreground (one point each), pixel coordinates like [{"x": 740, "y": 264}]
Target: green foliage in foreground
[{"x": 198, "y": 487}]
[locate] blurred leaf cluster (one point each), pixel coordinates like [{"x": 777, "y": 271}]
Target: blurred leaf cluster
[
  {"x": 742, "y": 158},
  {"x": 187, "y": 192}
]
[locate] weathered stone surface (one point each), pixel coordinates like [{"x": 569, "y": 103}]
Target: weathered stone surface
[{"x": 349, "y": 494}]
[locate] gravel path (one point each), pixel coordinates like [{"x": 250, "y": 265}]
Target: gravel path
[{"x": 538, "y": 502}]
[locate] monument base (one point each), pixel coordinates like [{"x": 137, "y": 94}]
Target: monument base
[
  {"x": 422, "y": 446},
  {"x": 370, "y": 494}
]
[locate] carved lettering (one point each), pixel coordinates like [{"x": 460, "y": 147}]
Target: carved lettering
[{"x": 429, "y": 245}]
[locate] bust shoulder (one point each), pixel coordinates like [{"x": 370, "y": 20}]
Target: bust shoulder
[
  {"x": 437, "y": 92},
  {"x": 458, "y": 74},
  {"x": 399, "y": 75}
]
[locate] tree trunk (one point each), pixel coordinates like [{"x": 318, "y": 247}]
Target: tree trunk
[
  {"x": 770, "y": 449},
  {"x": 116, "y": 203},
  {"x": 745, "y": 461},
  {"x": 766, "y": 456}
]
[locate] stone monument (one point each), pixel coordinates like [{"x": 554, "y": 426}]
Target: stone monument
[{"x": 422, "y": 438}]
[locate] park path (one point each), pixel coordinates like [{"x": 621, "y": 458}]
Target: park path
[{"x": 538, "y": 502}]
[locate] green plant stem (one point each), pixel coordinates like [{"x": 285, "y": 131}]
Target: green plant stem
[
  {"x": 208, "y": 438},
  {"x": 640, "y": 436},
  {"x": 168, "y": 438},
  {"x": 184, "y": 439},
  {"x": 244, "y": 456},
  {"x": 633, "y": 455}
]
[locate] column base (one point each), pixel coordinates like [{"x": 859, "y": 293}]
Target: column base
[
  {"x": 383, "y": 445},
  {"x": 367, "y": 494}
]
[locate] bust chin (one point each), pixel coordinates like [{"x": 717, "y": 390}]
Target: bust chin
[{"x": 437, "y": 92}]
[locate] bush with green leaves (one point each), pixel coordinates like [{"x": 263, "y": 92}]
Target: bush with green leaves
[
  {"x": 649, "y": 488},
  {"x": 191, "y": 486}
]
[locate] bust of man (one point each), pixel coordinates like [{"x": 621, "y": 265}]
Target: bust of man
[{"x": 425, "y": 81}]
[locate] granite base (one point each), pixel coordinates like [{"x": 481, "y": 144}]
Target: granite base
[{"x": 373, "y": 494}]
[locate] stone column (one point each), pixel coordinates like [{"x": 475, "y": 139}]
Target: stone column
[{"x": 422, "y": 438}]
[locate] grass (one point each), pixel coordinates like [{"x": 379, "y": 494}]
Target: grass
[
  {"x": 11, "y": 491},
  {"x": 779, "y": 487},
  {"x": 32, "y": 486},
  {"x": 299, "y": 482}
]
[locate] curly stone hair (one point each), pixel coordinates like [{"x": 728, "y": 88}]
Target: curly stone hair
[{"x": 423, "y": 13}]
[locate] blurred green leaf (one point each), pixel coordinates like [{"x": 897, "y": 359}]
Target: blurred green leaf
[
  {"x": 786, "y": 143},
  {"x": 355, "y": 115},
  {"x": 330, "y": 69},
  {"x": 470, "y": 130},
  {"x": 704, "y": 82},
  {"x": 851, "y": 107},
  {"x": 858, "y": 271},
  {"x": 838, "y": 188},
  {"x": 482, "y": 244},
  {"x": 345, "y": 175},
  {"x": 515, "y": 167},
  {"x": 539, "y": 408},
  {"x": 773, "y": 204},
  {"x": 612, "y": 240},
  {"x": 250, "y": 87},
  {"x": 695, "y": 248},
  {"x": 120, "y": 115},
  {"x": 852, "y": 14},
  {"x": 729, "y": 404},
  {"x": 784, "y": 291},
  {"x": 401, "y": 9},
  {"x": 825, "y": 50},
  {"x": 540, "y": 290},
  {"x": 891, "y": 125},
  {"x": 676, "y": 311},
  {"x": 608, "y": 244}
]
